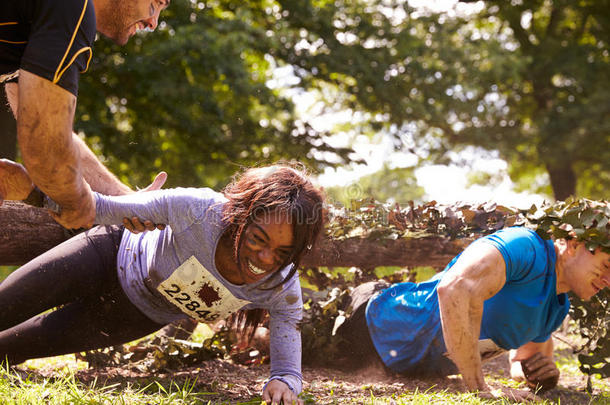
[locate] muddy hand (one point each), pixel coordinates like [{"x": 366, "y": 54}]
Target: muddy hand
[
  {"x": 135, "y": 225},
  {"x": 80, "y": 214},
  {"x": 276, "y": 392},
  {"x": 540, "y": 372},
  {"x": 15, "y": 183}
]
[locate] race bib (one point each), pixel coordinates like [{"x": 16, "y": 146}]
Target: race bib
[{"x": 198, "y": 293}]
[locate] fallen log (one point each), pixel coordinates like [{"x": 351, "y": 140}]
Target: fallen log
[
  {"x": 26, "y": 232},
  {"x": 434, "y": 251}
]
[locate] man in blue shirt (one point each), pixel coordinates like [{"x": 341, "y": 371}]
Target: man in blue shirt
[{"x": 506, "y": 291}]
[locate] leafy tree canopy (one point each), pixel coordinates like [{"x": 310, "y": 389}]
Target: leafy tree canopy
[
  {"x": 527, "y": 78},
  {"x": 388, "y": 184},
  {"x": 191, "y": 99}
]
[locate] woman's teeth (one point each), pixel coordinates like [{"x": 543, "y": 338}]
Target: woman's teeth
[{"x": 255, "y": 269}]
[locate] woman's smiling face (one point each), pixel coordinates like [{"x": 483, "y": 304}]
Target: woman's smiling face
[{"x": 267, "y": 244}]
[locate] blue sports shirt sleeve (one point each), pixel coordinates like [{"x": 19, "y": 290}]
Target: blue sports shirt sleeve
[
  {"x": 528, "y": 301},
  {"x": 519, "y": 247}
]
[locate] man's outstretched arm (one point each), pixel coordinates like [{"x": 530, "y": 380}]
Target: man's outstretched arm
[
  {"x": 478, "y": 275},
  {"x": 45, "y": 114},
  {"x": 96, "y": 174},
  {"x": 100, "y": 179}
]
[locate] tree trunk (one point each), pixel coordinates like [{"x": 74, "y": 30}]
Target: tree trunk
[
  {"x": 563, "y": 180},
  {"x": 26, "y": 232}
]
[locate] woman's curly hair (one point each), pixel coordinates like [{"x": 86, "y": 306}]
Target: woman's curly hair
[
  {"x": 279, "y": 189},
  {"x": 285, "y": 189}
]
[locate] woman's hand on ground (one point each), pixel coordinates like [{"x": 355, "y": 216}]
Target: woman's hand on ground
[
  {"x": 277, "y": 392},
  {"x": 134, "y": 224}
]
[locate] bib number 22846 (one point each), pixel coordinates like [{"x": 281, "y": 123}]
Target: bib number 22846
[
  {"x": 193, "y": 289},
  {"x": 183, "y": 299}
]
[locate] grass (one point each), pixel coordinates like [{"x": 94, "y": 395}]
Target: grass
[
  {"x": 374, "y": 396},
  {"x": 19, "y": 387},
  {"x": 16, "y": 389},
  {"x": 55, "y": 381}
]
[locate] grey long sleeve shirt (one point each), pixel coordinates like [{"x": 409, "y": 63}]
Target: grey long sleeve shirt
[{"x": 162, "y": 271}]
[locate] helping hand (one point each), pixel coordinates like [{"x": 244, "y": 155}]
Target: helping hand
[
  {"x": 133, "y": 224},
  {"x": 157, "y": 183},
  {"x": 277, "y": 392},
  {"x": 80, "y": 214}
]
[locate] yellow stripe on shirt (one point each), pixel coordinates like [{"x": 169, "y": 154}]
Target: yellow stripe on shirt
[
  {"x": 11, "y": 42},
  {"x": 88, "y": 48},
  {"x": 14, "y": 42},
  {"x": 59, "y": 72}
]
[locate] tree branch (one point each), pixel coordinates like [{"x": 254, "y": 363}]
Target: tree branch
[{"x": 26, "y": 232}]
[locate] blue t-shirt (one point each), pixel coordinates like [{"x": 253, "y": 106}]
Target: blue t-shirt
[{"x": 404, "y": 320}]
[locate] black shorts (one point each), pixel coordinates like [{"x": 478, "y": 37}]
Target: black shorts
[
  {"x": 358, "y": 349},
  {"x": 49, "y": 38}
]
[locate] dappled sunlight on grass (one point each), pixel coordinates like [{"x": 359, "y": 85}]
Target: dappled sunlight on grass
[
  {"x": 58, "y": 365},
  {"x": 63, "y": 379}
]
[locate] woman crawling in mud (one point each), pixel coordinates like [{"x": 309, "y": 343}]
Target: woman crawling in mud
[{"x": 220, "y": 253}]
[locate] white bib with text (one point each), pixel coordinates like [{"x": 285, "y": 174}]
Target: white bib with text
[{"x": 193, "y": 289}]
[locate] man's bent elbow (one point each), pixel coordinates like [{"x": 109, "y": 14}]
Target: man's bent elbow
[
  {"x": 447, "y": 290},
  {"x": 444, "y": 293}
]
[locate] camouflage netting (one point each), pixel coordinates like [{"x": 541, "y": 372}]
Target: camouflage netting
[
  {"x": 587, "y": 221},
  {"x": 582, "y": 219}
]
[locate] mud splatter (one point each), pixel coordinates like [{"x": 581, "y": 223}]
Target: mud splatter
[
  {"x": 291, "y": 299},
  {"x": 208, "y": 294}
]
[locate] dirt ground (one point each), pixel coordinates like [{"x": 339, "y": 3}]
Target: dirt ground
[
  {"x": 222, "y": 381},
  {"x": 226, "y": 382}
]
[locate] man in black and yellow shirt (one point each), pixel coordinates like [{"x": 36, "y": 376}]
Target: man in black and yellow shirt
[{"x": 44, "y": 46}]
